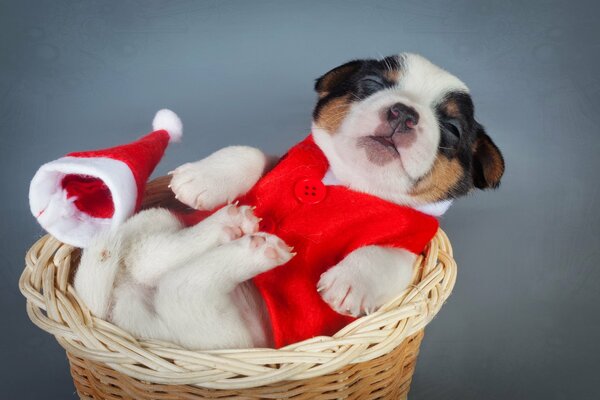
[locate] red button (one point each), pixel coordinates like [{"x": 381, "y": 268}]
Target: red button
[{"x": 310, "y": 190}]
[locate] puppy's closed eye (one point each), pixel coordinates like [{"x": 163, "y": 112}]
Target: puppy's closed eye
[
  {"x": 373, "y": 81},
  {"x": 454, "y": 126},
  {"x": 451, "y": 133}
]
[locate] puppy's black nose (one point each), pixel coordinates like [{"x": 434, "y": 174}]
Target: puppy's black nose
[{"x": 402, "y": 117}]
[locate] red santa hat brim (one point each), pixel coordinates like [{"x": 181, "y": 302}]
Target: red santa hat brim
[{"x": 58, "y": 213}]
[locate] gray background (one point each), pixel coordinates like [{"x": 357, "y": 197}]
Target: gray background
[{"x": 523, "y": 322}]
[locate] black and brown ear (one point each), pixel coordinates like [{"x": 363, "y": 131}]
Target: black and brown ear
[
  {"x": 325, "y": 84},
  {"x": 488, "y": 163}
]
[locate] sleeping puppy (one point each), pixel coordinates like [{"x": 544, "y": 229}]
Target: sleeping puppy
[{"x": 393, "y": 132}]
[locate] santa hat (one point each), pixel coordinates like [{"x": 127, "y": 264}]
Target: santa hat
[{"x": 77, "y": 196}]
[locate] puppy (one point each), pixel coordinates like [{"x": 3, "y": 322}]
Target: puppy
[{"x": 393, "y": 132}]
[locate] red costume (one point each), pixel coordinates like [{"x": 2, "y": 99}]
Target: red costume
[{"x": 323, "y": 224}]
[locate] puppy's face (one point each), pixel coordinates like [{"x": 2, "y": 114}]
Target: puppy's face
[{"x": 403, "y": 129}]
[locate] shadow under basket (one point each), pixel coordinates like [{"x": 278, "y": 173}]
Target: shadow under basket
[{"x": 372, "y": 358}]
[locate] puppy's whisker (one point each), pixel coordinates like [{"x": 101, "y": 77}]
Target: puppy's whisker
[
  {"x": 338, "y": 107},
  {"x": 387, "y": 64},
  {"x": 355, "y": 96},
  {"x": 338, "y": 118}
]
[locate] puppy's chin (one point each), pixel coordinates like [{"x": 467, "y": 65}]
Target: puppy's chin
[{"x": 358, "y": 168}]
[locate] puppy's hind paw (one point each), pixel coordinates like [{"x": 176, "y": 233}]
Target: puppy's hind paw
[
  {"x": 268, "y": 250},
  {"x": 237, "y": 221}
]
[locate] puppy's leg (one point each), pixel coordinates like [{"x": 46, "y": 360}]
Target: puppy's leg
[
  {"x": 225, "y": 266},
  {"x": 98, "y": 268},
  {"x": 133, "y": 310},
  {"x": 199, "y": 293},
  {"x": 221, "y": 177},
  {"x": 366, "y": 279},
  {"x": 106, "y": 256},
  {"x": 226, "y": 224},
  {"x": 149, "y": 222},
  {"x": 157, "y": 253}
]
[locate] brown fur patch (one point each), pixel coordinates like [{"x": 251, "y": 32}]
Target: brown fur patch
[
  {"x": 104, "y": 255},
  {"x": 392, "y": 75},
  {"x": 491, "y": 161},
  {"x": 333, "y": 113},
  {"x": 445, "y": 174},
  {"x": 451, "y": 108},
  {"x": 496, "y": 170}
]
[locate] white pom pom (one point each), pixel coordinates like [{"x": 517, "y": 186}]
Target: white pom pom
[{"x": 170, "y": 122}]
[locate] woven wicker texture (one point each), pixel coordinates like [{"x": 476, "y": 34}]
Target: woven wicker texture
[
  {"x": 372, "y": 358},
  {"x": 385, "y": 377}
]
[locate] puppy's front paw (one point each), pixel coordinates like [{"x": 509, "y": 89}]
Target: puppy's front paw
[
  {"x": 366, "y": 279},
  {"x": 237, "y": 221},
  {"x": 341, "y": 287},
  {"x": 195, "y": 185}
]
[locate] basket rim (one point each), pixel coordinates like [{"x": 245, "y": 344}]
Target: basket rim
[{"x": 53, "y": 305}]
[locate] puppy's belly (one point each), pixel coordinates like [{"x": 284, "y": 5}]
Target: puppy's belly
[{"x": 253, "y": 311}]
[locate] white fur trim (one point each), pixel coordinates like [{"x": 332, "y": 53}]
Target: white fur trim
[
  {"x": 331, "y": 180},
  {"x": 60, "y": 217},
  {"x": 170, "y": 122},
  {"x": 436, "y": 209}
]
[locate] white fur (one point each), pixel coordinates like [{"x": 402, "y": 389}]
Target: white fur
[
  {"x": 436, "y": 209},
  {"x": 157, "y": 279},
  {"x": 191, "y": 285},
  {"x": 97, "y": 272},
  {"x": 170, "y": 122}
]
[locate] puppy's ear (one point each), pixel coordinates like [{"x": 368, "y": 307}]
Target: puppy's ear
[
  {"x": 325, "y": 84},
  {"x": 488, "y": 163}
]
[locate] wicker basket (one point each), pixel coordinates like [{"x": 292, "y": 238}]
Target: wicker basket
[{"x": 372, "y": 358}]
